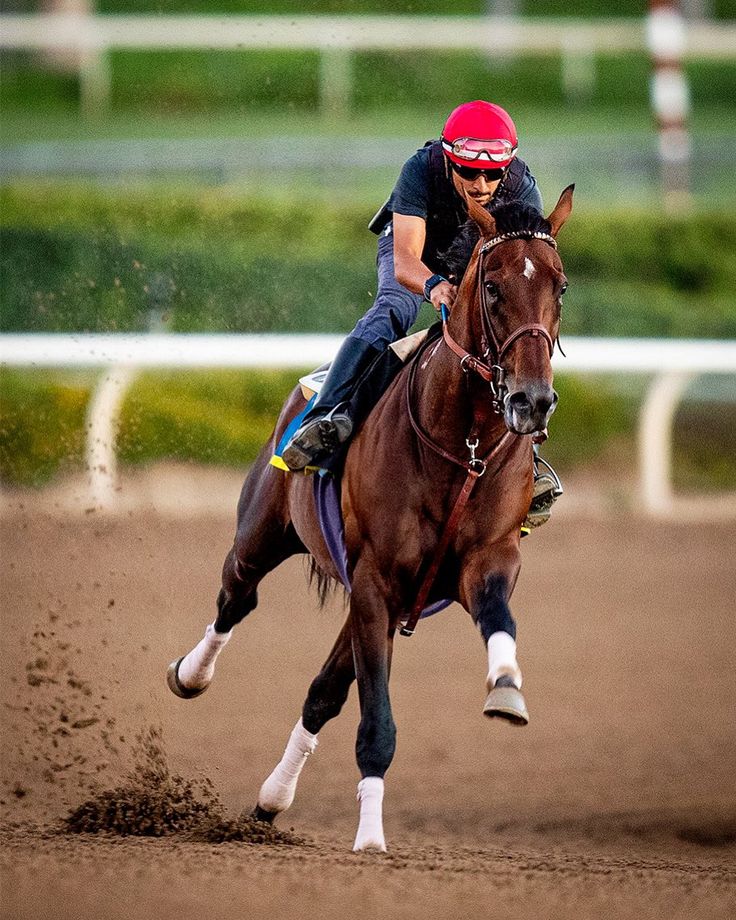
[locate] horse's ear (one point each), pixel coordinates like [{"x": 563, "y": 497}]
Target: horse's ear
[
  {"x": 484, "y": 220},
  {"x": 562, "y": 210}
]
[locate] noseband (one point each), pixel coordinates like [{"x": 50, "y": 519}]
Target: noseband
[{"x": 490, "y": 365}]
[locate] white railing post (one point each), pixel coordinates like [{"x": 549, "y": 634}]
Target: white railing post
[
  {"x": 578, "y": 67},
  {"x": 655, "y": 441},
  {"x": 335, "y": 78},
  {"x": 103, "y": 417},
  {"x": 94, "y": 83}
]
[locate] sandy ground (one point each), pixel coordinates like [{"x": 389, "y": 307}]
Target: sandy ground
[{"x": 616, "y": 801}]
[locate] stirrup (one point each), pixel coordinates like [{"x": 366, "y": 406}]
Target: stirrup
[
  {"x": 547, "y": 489},
  {"x": 547, "y": 484}
]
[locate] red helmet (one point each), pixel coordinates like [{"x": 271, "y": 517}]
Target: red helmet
[{"x": 478, "y": 134}]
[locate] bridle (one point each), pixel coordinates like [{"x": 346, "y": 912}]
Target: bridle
[{"x": 490, "y": 365}]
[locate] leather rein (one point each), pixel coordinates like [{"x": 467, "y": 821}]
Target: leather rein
[{"x": 494, "y": 374}]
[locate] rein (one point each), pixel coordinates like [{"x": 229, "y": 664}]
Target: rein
[{"x": 493, "y": 374}]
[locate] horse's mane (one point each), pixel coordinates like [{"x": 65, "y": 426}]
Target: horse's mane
[{"x": 511, "y": 217}]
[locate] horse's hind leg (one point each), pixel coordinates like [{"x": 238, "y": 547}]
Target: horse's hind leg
[
  {"x": 373, "y": 638},
  {"x": 325, "y": 699},
  {"x": 263, "y": 540},
  {"x": 362, "y": 649}
]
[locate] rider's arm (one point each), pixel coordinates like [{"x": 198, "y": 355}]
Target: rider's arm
[{"x": 409, "y": 235}]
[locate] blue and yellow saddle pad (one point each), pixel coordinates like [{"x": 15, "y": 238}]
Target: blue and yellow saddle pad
[{"x": 310, "y": 385}]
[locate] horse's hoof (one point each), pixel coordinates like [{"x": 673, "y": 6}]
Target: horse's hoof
[
  {"x": 506, "y": 702},
  {"x": 260, "y": 814},
  {"x": 176, "y": 686},
  {"x": 376, "y": 847}
]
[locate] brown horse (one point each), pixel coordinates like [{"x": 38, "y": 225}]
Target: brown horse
[{"x": 435, "y": 486}]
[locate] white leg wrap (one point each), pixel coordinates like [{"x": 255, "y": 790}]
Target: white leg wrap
[
  {"x": 277, "y": 793},
  {"x": 502, "y": 659},
  {"x": 198, "y": 667},
  {"x": 370, "y": 827}
]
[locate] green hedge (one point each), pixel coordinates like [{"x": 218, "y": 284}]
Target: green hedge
[
  {"x": 221, "y": 417},
  {"x": 78, "y": 258}
]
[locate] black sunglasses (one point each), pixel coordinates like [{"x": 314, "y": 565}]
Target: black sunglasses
[{"x": 467, "y": 172}]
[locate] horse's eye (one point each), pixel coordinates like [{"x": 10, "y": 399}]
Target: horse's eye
[
  {"x": 562, "y": 292},
  {"x": 492, "y": 290}
]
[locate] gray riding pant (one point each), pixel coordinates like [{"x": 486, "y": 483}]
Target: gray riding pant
[{"x": 395, "y": 309}]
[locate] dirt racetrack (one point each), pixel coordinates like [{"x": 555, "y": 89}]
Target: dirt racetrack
[{"x": 618, "y": 800}]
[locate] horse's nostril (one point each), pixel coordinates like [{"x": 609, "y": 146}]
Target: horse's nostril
[
  {"x": 519, "y": 399},
  {"x": 520, "y": 403},
  {"x": 534, "y": 403}
]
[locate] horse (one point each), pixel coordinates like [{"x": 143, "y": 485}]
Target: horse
[{"x": 435, "y": 486}]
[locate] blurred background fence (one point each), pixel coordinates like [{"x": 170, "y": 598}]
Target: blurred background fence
[
  {"x": 220, "y": 171},
  {"x": 88, "y": 41}
]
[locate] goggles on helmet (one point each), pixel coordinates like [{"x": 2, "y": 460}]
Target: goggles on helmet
[{"x": 472, "y": 148}]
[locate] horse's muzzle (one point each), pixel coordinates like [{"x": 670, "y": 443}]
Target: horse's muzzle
[{"x": 528, "y": 411}]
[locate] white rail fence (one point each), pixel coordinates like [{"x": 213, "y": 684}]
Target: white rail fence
[
  {"x": 576, "y": 41},
  {"x": 674, "y": 364}
]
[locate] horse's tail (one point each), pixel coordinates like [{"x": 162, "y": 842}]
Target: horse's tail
[{"x": 326, "y": 584}]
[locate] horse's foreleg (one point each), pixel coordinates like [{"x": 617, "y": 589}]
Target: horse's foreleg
[
  {"x": 329, "y": 689},
  {"x": 376, "y": 741},
  {"x": 325, "y": 699},
  {"x": 498, "y": 629},
  {"x": 490, "y": 610}
]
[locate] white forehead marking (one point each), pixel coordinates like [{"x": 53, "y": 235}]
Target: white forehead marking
[{"x": 528, "y": 268}]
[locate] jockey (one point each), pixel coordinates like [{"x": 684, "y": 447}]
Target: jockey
[{"x": 475, "y": 156}]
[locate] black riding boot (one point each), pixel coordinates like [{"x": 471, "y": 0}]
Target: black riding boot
[{"x": 329, "y": 423}]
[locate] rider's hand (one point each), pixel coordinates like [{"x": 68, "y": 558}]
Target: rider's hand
[{"x": 443, "y": 293}]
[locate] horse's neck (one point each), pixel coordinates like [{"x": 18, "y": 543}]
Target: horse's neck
[{"x": 450, "y": 406}]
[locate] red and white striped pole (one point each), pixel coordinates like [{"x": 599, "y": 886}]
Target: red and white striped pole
[{"x": 670, "y": 97}]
